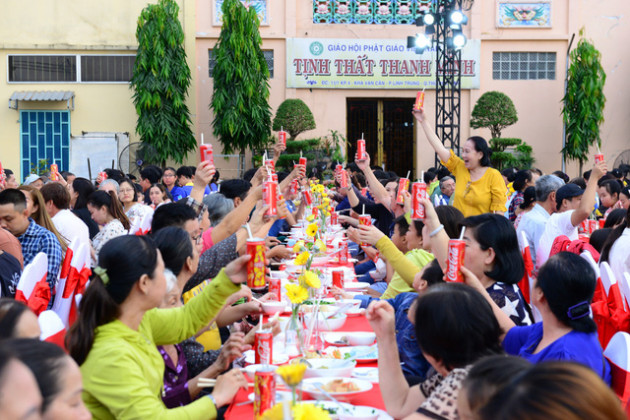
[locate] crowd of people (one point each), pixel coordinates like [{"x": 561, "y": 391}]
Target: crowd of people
[{"x": 166, "y": 307}]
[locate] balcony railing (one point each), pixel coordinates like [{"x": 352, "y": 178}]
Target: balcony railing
[{"x": 369, "y": 12}]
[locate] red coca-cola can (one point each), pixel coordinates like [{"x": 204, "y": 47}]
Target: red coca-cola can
[
  {"x": 419, "y": 101},
  {"x": 294, "y": 187},
  {"x": 54, "y": 172},
  {"x": 592, "y": 225},
  {"x": 339, "y": 168},
  {"x": 334, "y": 218},
  {"x": 584, "y": 226},
  {"x": 343, "y": 253},
  {"x": 205, "y": 150},
  {"x": 103, "y": 175},
  {"x": 274, "y": 177},
  {"x": 282, "y": 137},
  {"x": 275, "y": 288},
  {"x": 264, "y": 391},
  {"x": 599, "y": 157},
  {"x": 256, "y": 266},
  {"x": 418, "y": 192},
  {"x": 308, "y": 197},
  {"x": 403, "y": 185},
  {"x": 271, "y": 165},
  {"x": 263, "y": 344},
  {"x": 365, "y": 219},
  {"x": 337, "y": 278},
  {"x": 361, "y": 150},
  {"x": 343, "y": 179},
  {"x": 302, "y": 161},
  {"x": 364, "y": 191},
  {"x": 456, "y": 250},
  {"x": 602, "y": 222},
  {"x": 270, "y": 196}
]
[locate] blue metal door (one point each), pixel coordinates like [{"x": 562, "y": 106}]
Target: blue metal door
[{"x": 45, "y": 139}]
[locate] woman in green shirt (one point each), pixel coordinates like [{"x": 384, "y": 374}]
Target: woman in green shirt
[{"x": 115, "y": 338}]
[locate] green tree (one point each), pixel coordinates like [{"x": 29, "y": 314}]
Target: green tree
[
  {"x": 160, "y": 82},
  {"x": 584, "y": 101},
  {"x": 295, "y": 117},
  {"x": 242, "y": 115},
  {"x": 494, "y": 110}
]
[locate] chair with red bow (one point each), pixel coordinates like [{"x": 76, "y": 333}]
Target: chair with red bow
[
  {"x": 74, "y": 279},
  {"x": 52, "y": 328},
  {"x": 618, "y": 355},
  {"x": 144, "y": 226},
  {"x": 33, "y": 289}
]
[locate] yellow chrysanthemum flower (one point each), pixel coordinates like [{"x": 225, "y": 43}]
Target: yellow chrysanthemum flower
[
  {"x": 302, "y": 258},
  {"x": 296, "y": 293},
  {"x": 292, "y": 374},
  {"x": 320, "y": 244},
  {"x": 310, "y": 279},
  {"x": 299, "y": 246},
  {"x": 311, "y": 230},
  {"x": 300, "y": 411},
  {"x": 309, "y": 412}
]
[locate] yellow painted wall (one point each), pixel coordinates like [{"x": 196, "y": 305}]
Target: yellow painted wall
[
  {"x": 78, "y": 27},
  {"x": 538, "y": 102}
]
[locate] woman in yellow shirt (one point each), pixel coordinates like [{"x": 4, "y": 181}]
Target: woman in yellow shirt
[
  {"x": 478, "y": 187},
  {"x": 115, "y": 338}
]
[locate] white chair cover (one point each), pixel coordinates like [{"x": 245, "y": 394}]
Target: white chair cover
[
  {"x": 618, "y": 350},
  {"x": 33, "y": 272},
  {"x": 62, "y": 306},
  {"x": 608, "y": 278}
]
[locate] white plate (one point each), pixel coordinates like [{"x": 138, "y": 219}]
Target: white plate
[
  {"x": 380, "y": 414},
  {"x": 280, "y": 396},
  {"x": 366, "y": 354},
  {"x": 330, "y": 368},
  {"x": 359, "y": 285},
  {"x": 355, "y": 312},
  {"x": 367, "y": 373},
  {"x": 278, "y": 358},
  {"x": 329, "y": 405},
  {"x": 336, "y": 338},
  {"x": 308, "y": 385}
]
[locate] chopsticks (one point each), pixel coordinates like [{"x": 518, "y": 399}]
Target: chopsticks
[{"x": 206, "y": 382}]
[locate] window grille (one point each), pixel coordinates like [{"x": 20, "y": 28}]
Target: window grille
[{"x": 524, "y": 66}]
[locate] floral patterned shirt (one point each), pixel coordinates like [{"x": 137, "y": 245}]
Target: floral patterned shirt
[
  {"x": 111, "y": 230},
  {"x": 441, "y": 394},
  {"x": 175, "y": 393}
]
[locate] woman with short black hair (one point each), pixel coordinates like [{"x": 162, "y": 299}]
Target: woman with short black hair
[
  {"x": 562, "y": 294},
  {"x": 454, "y": 327},
  {"x": 80, "y": 189}
]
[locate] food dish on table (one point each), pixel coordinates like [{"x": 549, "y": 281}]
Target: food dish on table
[
  {"x": 362, "y": 354},
  {"x": 336, "y": 387}
]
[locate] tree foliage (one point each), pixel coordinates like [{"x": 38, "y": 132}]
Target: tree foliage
[
  {"x": 584, "y": 101},
  {"x": 510, "y": 153},
  {"x": 242, "y": 115},
  {"x": 160, "y": 81},
  {"x": 494, "y": 110},
  {"x": 295, "y": 117}
]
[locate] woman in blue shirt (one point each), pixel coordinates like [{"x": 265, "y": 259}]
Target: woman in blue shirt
[{"x": 562, "y": 294}]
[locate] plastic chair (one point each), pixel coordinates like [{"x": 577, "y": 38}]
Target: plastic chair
[
  {"x": 33, "y": 289},
  {"x": 608, "y": 277},
  {"x": 77, "y": 275},
  {"x": 617, "y": 353},
  {"x": 53, "y": 330}
]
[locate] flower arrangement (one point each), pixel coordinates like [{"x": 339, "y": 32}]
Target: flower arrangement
[{"x": 292, "y": 375}]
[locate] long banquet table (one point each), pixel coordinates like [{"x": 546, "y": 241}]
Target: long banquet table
[{"x": 370, "y": 398}]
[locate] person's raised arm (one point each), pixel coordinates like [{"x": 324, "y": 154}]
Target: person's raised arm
[
  {"x": 442, "y": 152},
  {"x": 295, "y": 173},
  {"x": 204, "y": 173},
  {"x": 237, "y": 217},
  {"x": 352, "y": 196},
  {"x": 278, "y": 148},
  {"x": 439, "y": 240},
  {"x": 588, "y": 199},
  {"x": 400, "y": 400},
  {"x": 376, "y": 188}
]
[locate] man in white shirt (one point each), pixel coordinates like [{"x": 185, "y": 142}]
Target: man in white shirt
[
  {"x": 534, "y": 221},
  {"x": 574, "y": 205},
  {"x": 57, "y": 199}
]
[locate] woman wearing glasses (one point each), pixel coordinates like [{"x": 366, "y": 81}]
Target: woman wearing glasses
[
  {"x": 134, "y": 210},
  {"x": 478, "y": 187}
]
